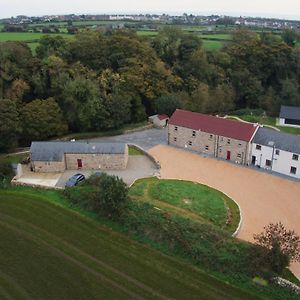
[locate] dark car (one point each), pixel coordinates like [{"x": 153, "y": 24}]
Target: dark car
[{"x": 75, "y": 179}]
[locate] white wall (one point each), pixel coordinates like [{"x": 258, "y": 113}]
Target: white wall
[
  {"x": 282, "y": 163},
  {"x": 282, "y": 123}
]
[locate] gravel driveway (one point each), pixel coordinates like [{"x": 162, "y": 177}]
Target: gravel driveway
[
  {"x": 263, "y": 198},
  {"x": 146, "y": 139}
]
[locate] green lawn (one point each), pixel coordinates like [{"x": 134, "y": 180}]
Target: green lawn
[
  {"x": 265, "y": 120},
  {"x": 51, "y": 252},
  {"x": 13, "y": 159},
  {"x": 134, "y": 151},
  {"x": 195, "y": 201}
]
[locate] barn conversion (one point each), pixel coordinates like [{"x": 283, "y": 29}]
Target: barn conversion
[
  {"x": 211, "y": 135},
  {"x": 276, "y": 151},
  {"x": 61, "y": 156}
]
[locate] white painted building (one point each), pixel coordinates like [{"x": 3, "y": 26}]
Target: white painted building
[{"x": 276, "y": 151}]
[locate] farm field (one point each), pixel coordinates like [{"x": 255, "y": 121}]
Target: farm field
[
  {"x": 47, "y": 250},
  {"x": 25, "y": 36},
  {"x": 212, "y": 45},
  {"x": 188, "y": 199}
]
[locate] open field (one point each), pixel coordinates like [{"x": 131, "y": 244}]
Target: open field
[
  {"x": 63, "y": 248},
  {"x": 212, "y": 45},
  {"x": 26, "y": 36},
  {"x": 194, "y": 201}
]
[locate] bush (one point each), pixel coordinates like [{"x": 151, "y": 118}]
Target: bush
[
  {"x": 6, "y": 170},
  {"x": 105, "y": 195}
]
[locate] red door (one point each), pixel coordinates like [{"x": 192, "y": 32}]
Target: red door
[
  {"x": 228, "y": 155},
  {"x": 79, "y": 163}
]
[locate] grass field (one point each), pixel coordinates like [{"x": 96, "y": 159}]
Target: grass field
[
  {"x": 194, "y": 201},
  {"x": 264, "y": 120},
  {"x": 50, "y": 252},
  {"x": 212, "y": 45},
  {"x": 26, "y": 36}
]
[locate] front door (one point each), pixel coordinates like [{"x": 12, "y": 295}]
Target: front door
[
  {"x": 253, "y": 160},
  {"x": 79, "y": 163},
  {"x": 228, "y": 155}
]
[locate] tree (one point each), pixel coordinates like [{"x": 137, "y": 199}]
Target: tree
[
  {"x": 283, "y": 245},
  {"x": 290, "y": 37},
  {"x": 112, "y": 195},
  {"x": 42, "y": 119},
  {"x": 167, "y": 104},
  {"x": 9, "y": 125},
  {"x": 51, "y": 45}
]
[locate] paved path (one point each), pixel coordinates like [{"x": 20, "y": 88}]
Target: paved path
[
  {"x": 145, "y": 139},
  {"x": 263, "y": 198}
]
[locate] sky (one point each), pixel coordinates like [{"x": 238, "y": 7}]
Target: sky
[{"x": 288, "y": 9}]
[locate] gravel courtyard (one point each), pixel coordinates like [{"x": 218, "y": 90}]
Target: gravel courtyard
[{"x": 263, "y": 198}]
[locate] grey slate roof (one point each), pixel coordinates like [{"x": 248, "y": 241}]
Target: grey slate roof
[
  {"x": 290, "y": 112},
  {"x": 54, "y": 151},
  {"x": 280, "y": 140}
]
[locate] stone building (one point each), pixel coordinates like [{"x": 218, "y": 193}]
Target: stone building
[
  {"x": 61, "y": 156},
  {"x": 213, "y": 136}
]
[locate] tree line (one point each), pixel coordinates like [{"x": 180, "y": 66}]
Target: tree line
[{"x": 101, "y": 81}]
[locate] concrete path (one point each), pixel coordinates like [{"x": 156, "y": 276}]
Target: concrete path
[
  {"x": 139, "y": 166},
  {"x": 263, "y": 198}
]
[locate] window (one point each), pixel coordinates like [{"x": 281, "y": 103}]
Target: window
[
  {"x": 206, "y": 147},
  {"x": 194, "y": 133},
  {"x": 175, "y": 128},
  {"x": 228, "y": 141},
  {"x": 239, "y": 155},
  {"x": 258, "y": 147},
  {"x": 277, "y": 152},
  {"x": 211, "y": 136},
  {"x": 240, "y": 144},
  {"x": 295, "y": 157},
  {"x": 268, "y": 163},
  {"x": 293, "y": 170},
  {"x": 175, "y": 139},
  {"x": 190, "y": 143}
]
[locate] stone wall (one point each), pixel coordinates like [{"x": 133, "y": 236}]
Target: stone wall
[
  {"x": 207, "y": 143},
  {"x": 97, "y": 161},
  {"x": 48, "y": 166}
]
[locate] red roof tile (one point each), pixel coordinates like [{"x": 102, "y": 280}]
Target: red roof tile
[
  {"x": 215, "y": 125},
  {"x": 163, "y": 117}
]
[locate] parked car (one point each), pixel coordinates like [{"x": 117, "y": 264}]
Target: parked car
[{"x": 75, "y": 179}]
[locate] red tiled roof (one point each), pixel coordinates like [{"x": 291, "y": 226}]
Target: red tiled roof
[
  {"x": 163, "y": 117},
  {"x": 215, "y": 125}
]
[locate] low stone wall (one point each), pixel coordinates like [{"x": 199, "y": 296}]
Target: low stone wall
[{"x": 156, "y": 162}]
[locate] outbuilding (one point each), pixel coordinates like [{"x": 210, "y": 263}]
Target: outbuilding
[
  {"x": 61, "y": 156},
  {"x": 289, "y": 116},
  {"x": 159, "y": 120}
]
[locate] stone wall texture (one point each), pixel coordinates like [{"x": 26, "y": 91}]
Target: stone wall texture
[
  {"x": 209, "y": 144},
  {"x": 89, "y": 162}
]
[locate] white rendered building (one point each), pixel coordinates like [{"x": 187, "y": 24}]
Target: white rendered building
[{"x": 276, "y": 151}]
